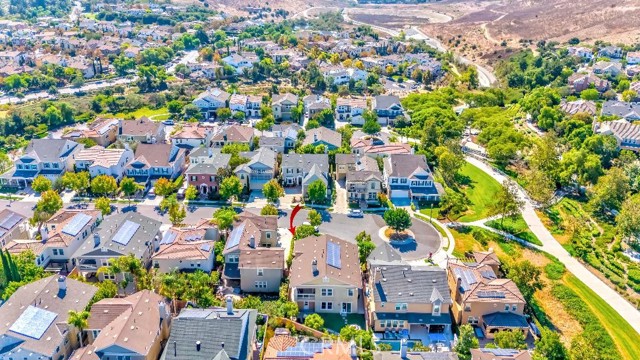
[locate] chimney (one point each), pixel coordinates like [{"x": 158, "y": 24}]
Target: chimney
[
  {"x": 229, "y": 305},
  {"x": 403, "y": 348},
  {"x": 198, "y": 345},
  {"x": 354, "y": 350},
  {"x": 96, "y": 239},
  {"x": 222, "y": 344},
  {"x": 314, "y": 266},
  {"x": 252, "y": 242},
  {"x": 62, "y": 283},
  {"x": 44, "y": 233}
]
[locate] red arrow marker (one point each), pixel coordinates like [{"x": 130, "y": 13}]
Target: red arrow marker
[{"x": 293, "y": 215}]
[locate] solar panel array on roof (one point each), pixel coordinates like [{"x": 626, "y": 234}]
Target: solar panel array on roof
[
  {"x": 126, "y": 232},
  {"x": 168, "y": 238},
  {"x": 467, "y": 278},
  {"x": 10, "y": 221},
  {"x": 33, "y": 322},
  {"x": 333, "y": 255},
  {"x": 502, "y": 352},
  {"x": 76, "y": 224},
  {"x": 193, "y": 237},
  {"x": 491, "y": 294},
  {"x": 236, "y": 234},
  {"x": 205, "y": 247},
  {"x": 304, "y": 350},
  {"x": 488, "y": 274}
]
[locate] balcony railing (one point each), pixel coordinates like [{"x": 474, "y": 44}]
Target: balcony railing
[{"x": 306, "y": 297}]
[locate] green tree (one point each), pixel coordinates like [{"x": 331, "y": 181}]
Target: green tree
[
  {"x": 104, "y": 185},
  {"x": 466, "y": 341},
  {"x": 174, "y": 107},
  {"x": 452, "y": 204},
  {"x": 269, "y": 210},
  {"x": 314, "y": 321},
  {"x": 177, "y": 214},
  {"x": 230, "y": 188},
  {"x": 191, "y": 193},
  {"x": 510, "y": 340},
  {"x": 549, "y": 347},
  {"x": 365, "y": 246},
  {"x": 164, "y": 187},
  {"x": 590, "y": 94},
  {"x": 449, "y": 163},
  {"x": 628, "y": 219},
  {"x": 540, "y": 187},
  {"x": 371, "y": 125},
  {"x": 223, "y": 113},
  {"x": 507, "y": 202},
  {"x": 224, "y": 218},
  {"x": 79, "y": 319},
  {"x": 50, "y": 202},
  {"x": 304, "y": 231},
  {"x": 610, "y": 190},
  {"x": 272, "y": 191},
  {"x": 107, "y": 289},
  {"x": 104, "y": 205},
  {"x": 41, "y": 184},
  {"x": 629, "y": 95},
  {"x": 317, "y": 192},
  {"x": 129, "y": 187},
  {"x": 314, "y": 217},
  {"x": 397, "y": 219},
  {"x": 290, "y": 309},
  {"x": 526, "y": 276}
]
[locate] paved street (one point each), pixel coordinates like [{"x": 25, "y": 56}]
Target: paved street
[{"x": 553, "y": 247}]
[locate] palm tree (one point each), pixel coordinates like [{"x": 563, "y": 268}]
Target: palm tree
[{"x": 79, "y": 320}]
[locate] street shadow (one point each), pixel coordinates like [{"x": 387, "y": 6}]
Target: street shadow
[
  {"x": 129, "y": 208},
  {"x": 405, "y": 247}
]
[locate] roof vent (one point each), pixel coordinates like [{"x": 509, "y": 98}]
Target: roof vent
[{"x": 198, "y": 345}]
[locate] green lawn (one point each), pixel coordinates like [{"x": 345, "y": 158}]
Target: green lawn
[
  {"x": 158, "y": 114},
  {"x": 480, "y": 190},
  {"x": 515, "y": 226},
  {"x": 626, "y": 338},
  {"x": 336, "y": 322}
]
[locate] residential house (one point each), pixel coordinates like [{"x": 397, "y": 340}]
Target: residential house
[
  {"x": 408, "y": 178},
  {"x": 387, "y": 107},
  {"x": 296, "y": 167},
  {"x": 608, "y": 68},
  {"x": 234, "y": 134},
  {"x": 218, "y": 334},
  {"x": 275, "y": 144},
  {"x": 325, "y": 276},
  {"x": 338, "y": 75},
  {"x": 282, "y": 106},
  {"x": 351, "y": 162},
  {"x": 314, "y": 104},
  {"x": 633, "y": 57},
  {"x": 384, "y": 254},
  {"x": 283, "y": 346},
  {"x": 363, "y": 179},
  {"x": 579, "y": 82},
  {"x": 104, "y": 131},
  {"x": 259, "y": 170},
  {"x": 100, "y": 161},
  {"x": 581, "y": 52},
  {"x": 482, "y": 299},
  {"x": 238, "y": 103},
  {"x": 253, "y": 259},
  {"x": 47, "y": 157},
  {"x": 133, "y": 327},
  {"x": 34, "y": 319},
  {"x": 254, "y": 104},
  {"x": 409, "y": 354},
  {"x": 153, "y": 161},
  {"x": 192, "y": 136},
  {"x": 613, "y": 52},
  {"x": 627, "y": 134},
  {"x": 351, "y": 109},
  {"x": 210, "y": 101},
  {"x": 187, "y": 248},
  {"x": 500, "y": 354},
  {"x": 322, "y": 136},
  {"x": 12, "y": 226},
  {"x": 578, "y": 106},
  {"x": 118, "y": 235},
  {"x": 413, "y": 301},
  {"x": 241, "y": 61},
  {"x": 288, "y": 132},
  {"x": 143, "y": 130},
  {"x": 203, "y": 171},
  {"x": 621, "y": 109},
  {"x": 60, "y": 238},
  {"x": 376, "y": 145}
]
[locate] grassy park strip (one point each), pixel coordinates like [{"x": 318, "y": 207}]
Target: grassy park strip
[{"x": 515, "y": 226}]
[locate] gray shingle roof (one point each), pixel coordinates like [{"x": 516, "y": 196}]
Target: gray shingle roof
[
  {"x": 50, "y": 150},
  {"x": 403, "y": 165},
  {"x": 306, "y": 161},
  {"x": 384, "y": 252},
  {"x": 386, "y": 101},
  {"x": 409, "y": 284},
  {"x": 621, "y": 109}
]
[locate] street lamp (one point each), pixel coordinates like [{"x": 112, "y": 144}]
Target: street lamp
[{"x": 430, "y": 213}]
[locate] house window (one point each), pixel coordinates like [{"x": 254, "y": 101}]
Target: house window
[
  {"x": 350, "y": 291},
  {"x": 261, "y": 284},
  {"x": 401, "y": 306},
  {"x": 403, "y": 181},
  {"x": 46, "y": 165},
  {"x": 193, "y": 178},
  {"x": 268, "y": 235},
  {"x": 514, "y": 307},
  {"x": 212, "y": 178},
  {"x": 373, "y": 186},
  {"x": 55, "y": 166},
  {"x": 472, "y": 320},
  {"x": 55, "y": 252},
  {"x": 436, "y": 310},
  {"x": 233, "y": 259},
  {"x": 394, "y": 181},
  {"x": 260, "y": 272},
  {"x": 467, "y": 307},
  {"x": 327, "y": 292},
  {"x": 326, "y": 305},
  {"x": 506, "y": 307},
  {"x": 108, "y": 276}
]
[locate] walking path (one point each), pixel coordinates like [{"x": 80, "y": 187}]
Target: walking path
[{"x": 553, "y": 247}]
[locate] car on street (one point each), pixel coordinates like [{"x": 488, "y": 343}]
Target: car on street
[{"x": 355, "y": 213}]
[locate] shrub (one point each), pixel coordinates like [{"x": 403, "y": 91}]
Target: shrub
[
  {"x": 554, "y": 270},
  {"x": 314, "y": 321}
]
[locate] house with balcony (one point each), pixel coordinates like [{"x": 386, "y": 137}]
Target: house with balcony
[
  {"x": 254, "y": 260},
  {"x": 364, "y": 182},
  {"x": 351, "y": 109},
  {"x": 192, "y": 136},
  {"x": 484, "y": 300},
  {"x": 210, "y": 101},
  {"x": 100, "y": 161},
  {"x": 153, "y": 161},
  {"x": 47, "y": 157},
  {"x": 351, "y": 162},
  {"x": 233, "y": 134},
  {"x": 408, "y": 178},
  {"x": 254, "y": 104},
  {"x": 325, "y": 276},
  {"x": 187, "y": 248},
  {"x": 387, "y": 107},
  {"x": 143, "y": 130},
  {"x": 282, "y": 106},
  {"x": 238, "y": 103},
  {"x": 261, "y": 168},
  {"x": 118, "y": 235},
  {"x": 410, "y": 301}
]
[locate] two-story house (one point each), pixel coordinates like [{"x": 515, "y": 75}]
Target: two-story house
[
  {"x": 350, "y": 162},
  {"x": 118, "y": 235},
  {"x": 254, "y": 104},
  {"x": 325, "y": 276},
  {"x": 153, "y": 161},
  {"x": 621, "y": 109},
  {"x": 187, "y": 248},
  {"x": 323, "y": 136},
  {"x": 210, "y": 101},
  {"x": 627, "y": 134},
  {"x": 45, "y": 303},
  {"x": 363, "y": 178},
  {"x": 241, "y": 61},
  {"x": 104, "y": 131},
  {"x": 238, "y": 103},
  {"x": 47, "y": 157},
  {"x": 288, "y": 132},
  {"x": 351, "y": 109},
  {"x": 282, "y": 106},
  {"x": 412, "y": 301},
  {"x": 408, "y": 178},
  {"x": 234, "y": 134},
  {"x": 481, "y": 298},
  {"x": 387, "y": 107},
  {"x": 253, "y": 259},
  {"x": 143, "y": 130},
  {"x": 296, "y": 167},
  {"x": 192, "y": 136},
  {"x": 261, "y": 168},
  {"x": 100, "y": 161},
  {"x": 314, "y": 104},
  {"x": 633, "y": 57},
  {"x": 205, "y": 165}
]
